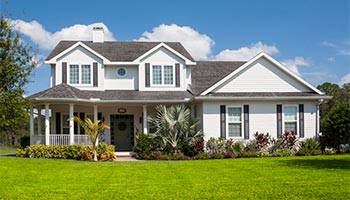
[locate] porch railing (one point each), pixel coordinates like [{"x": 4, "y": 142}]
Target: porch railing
[
  {"x": 38, "y": 139},
  {"x": 82, "y": 139},
  {"x": 57, "y": 139},
  {"x": 61, "y": 139}
]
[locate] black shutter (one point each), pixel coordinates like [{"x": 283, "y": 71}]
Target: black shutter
[
  {"x": 95, "y": 74},
  {"x": 301, "y": 120},
  {"x": 82, "y": 117},
  {"x": 99, "y": 116},
  {"x": 246, "y": 121},
  {"x": 75, "y": 124},
  {"x": 223, "y": 121},
  {"x": 58, "y": 123},
  {"x": 147, "y": 75},
  {"x": 64, "y": 72},
  {"x": 177, "y": 75},
  {"x": 279, "y": 120}
]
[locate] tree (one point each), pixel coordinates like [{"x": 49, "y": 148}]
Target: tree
[
  {"x": 337, "y": 125},
  {"x": 174, "y": 124},
  {"x": 16, "y": 66},
  {"x": 94, "y": 131},
  {"x": 333, "y": 90}
]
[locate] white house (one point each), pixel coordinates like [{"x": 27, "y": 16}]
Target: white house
[{"x": 122, "y": 82}]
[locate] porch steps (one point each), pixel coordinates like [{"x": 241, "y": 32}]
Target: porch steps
[{"x": 124, "y": 154}]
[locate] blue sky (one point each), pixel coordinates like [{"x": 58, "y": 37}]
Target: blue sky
[{"x": 310, "y": 37}]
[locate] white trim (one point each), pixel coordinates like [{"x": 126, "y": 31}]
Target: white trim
[
  {"x": 255, "y": 58},
  {"x": 162, "y": 44},
  {"x": 263, "y": 98},
  {"x": 297, "y": 115},
  {"x": 60, "y": 100},
  {"x": 242, "y": 122},
  {"x": 80, "y": 77},
  {"x": 79, "y": 43},
  {"x": 162, "y": 85}
]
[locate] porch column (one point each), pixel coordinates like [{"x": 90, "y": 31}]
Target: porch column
[
  {"x": 318, "y": 119},
  {"x": 144, "y": 117},
  {"x": 193, "y": 114},
  {"x": 31, "y": 125},
  {"x": 39, "y": 121},
  {"x": 71, "y": 124},
  {"x": 95, "y": 119},
  {"x": 47, "y": 125}
]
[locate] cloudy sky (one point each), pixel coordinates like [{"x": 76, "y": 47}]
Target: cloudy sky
[{"x": 310, "y": 37}]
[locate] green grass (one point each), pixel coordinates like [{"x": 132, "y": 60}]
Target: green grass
[{"x": 319, "y": 177}]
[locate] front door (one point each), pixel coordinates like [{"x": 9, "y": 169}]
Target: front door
[{"x": 122, "y": 132}]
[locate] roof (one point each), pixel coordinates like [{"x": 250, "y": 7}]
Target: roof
[
  {"x": 64, "y": 91},
  {"x": 120, "y": 51},
  {"x": 207, "y": 73},
  {"x": 264, "y": 95}
]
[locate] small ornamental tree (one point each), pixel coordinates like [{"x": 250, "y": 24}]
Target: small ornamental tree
[{"x": 94, "y": 131}]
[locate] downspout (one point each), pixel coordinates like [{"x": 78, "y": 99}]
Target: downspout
[{"x": 318, "y": 118}]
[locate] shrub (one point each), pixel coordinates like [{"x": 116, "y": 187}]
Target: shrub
[
  {"x": 250, "y": 146},
  {"x": 251, "y": 154},
  {"x": 202, "y": 156},
  {"x": 144, "y": 144},
  {"x": 308, "y": 147},
  {"x": 289, "y": 139},
  {"x": 262, "y": 140},
  {"x": 215, "y": 146},
  {"x": 344, "y": 148},
  {"x": 216, "y": 155},
  {"x": 283, "y": 152},
  {"x": 196, "y": 147},
  {"x": 329, "y": 151},
  {"x": 25, "y": 141}
]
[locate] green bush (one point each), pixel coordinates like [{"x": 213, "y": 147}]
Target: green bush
[
  {"x": 202, "y": 156},
  {"x": 25, "y": 141},
  {"x": 309, "y": 147},
  {"x": 216, "y": 155},
  {"x": 261, "y": 140},
  {"x": 329, "y": 151},
  {"x": 251, "y": 154},
  {"x": 251, "y": 146},
  {"x": 283, "y": 152},
  {"x": 64, "y": 152},
  {"x": 215, "y": 146}
]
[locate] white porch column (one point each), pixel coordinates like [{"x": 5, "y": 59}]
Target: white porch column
[
  {"x": 71, "y": 124},
  {"x": 47, "y": 125},
  {"x": 318, "y": 119},
  {"x": 144, "y": 117},
  {"x": 31, "y": 124},
  {"x": 95, "y": 119},
  {"x": 39, "y": 121}
]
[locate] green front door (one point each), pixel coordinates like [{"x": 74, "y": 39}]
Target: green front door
[{"x": 122, "y": 132}]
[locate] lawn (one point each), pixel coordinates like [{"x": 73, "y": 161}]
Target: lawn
[{"x": 319, "y": 177}]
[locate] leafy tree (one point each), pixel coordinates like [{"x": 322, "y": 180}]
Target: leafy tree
[
  {"x": 16, "y": 66},
  {"x": 330, "y": 89},
  {"x": 337, "y": 125},
  {"x": 174, "y": 124},
  {"x": 94, "y": 131}
]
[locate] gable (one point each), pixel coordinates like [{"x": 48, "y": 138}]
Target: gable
[
  {"x": 262, "y": 76},
  {"x": 79, "y": 55},
  {"x": 162, "y": 55}
]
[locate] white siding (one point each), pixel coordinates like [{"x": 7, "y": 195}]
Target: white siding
[
  {"x": 262, "y": 117},
  {"x": 80, "y": 56},
  {"x": 128, "y": 82},
  {"x": 162, "y": 56},
  {"x": 262, "y": 76}
]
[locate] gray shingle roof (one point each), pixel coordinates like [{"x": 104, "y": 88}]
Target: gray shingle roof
[
  {"x": 207, "y": 73},
  {"x": 120, "y": 51},
  {"x": 64, "y": 91}
]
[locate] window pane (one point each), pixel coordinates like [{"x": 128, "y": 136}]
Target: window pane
[
  {"x": 85, "y": 74},
  {"x": 168, "y": 74},
  {"x": 234, "y": 114},
  {"x": 290, "y": 113},
  {"x": 74, "y": 74},
  {"x": 157, "y": 74},
  {"x": 235, "y": 130},
  {"x": 290, "y": 126}
]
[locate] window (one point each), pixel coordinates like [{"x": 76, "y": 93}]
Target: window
[
  {"x": 168, "y": 74},
  {"x": 290, "y": 118},
  {"x": 85, "y": 74},
  {"x": 76, "y": 70},
  {"x": 74, "y": 74},
  {"x": 234, "y": 119},
  {"x": 157, "y": 74},
  {"x": 162, "y": 75},
  {"x": 121, "y": 72},
  {"x": 65, "y": 124}
]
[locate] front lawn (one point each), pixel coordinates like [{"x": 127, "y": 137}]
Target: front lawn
[{"x": 319, "y": 177}]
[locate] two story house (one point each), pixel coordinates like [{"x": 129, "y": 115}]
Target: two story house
[{"x": 122, "y": 82}]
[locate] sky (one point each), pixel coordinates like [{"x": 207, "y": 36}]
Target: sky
[{"x": 309, "y": 37}]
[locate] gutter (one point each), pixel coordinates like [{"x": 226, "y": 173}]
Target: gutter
[{"x": 264, "y": 98}]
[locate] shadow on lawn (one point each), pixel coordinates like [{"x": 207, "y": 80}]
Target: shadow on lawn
[{"x": 324, "y": 163}]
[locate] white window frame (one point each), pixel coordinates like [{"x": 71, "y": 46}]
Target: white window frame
[
  {"x": 283, "y": 118},
  {"x": 162, "y": 73},
  {"x": 63, "y": 120},
  {"x": 80, "y": 74},
  {"x": 242, "y": 121}
]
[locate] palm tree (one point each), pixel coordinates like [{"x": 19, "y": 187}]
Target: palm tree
[
  {"x": 173, "y": 124},
  {"x": 94, "y": 131}
]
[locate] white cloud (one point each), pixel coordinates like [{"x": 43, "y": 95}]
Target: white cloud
[
  {"x": 345, "y": 79},
  {"x": 344, "y": 52},
  {"x": 199, "y": 45},
  {"x": 331, "y": 59},
  {"x": 328, "y": 44},
  {"x": 294, "y": 64},
  {"x": 246, "y": 53},
  {"x": 47, "y": 41}
]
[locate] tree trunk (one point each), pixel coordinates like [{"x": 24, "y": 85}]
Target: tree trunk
[{"x": 94, "y": 152}]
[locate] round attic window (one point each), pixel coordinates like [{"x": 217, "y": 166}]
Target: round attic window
[{"x": 121, "y": 72}]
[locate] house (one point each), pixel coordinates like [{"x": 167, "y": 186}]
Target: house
[{"x": 122, "y": 82}]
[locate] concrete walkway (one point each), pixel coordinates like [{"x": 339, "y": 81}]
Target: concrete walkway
[{"x": 126, "y": 159}]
